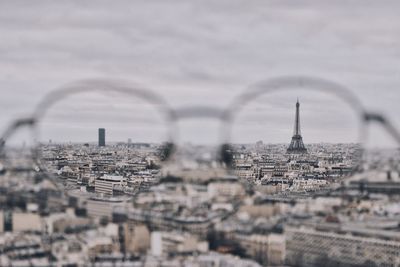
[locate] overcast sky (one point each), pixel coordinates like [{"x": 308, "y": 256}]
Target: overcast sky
[{"x": 198, "y": 52}]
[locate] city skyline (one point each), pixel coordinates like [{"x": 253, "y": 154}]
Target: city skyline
[
  {"x": 258, "y": 126},
  {"x": 63, "y": 128}
]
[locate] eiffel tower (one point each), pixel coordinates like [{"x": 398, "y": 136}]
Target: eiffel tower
[{"x": 296, "y": 145}]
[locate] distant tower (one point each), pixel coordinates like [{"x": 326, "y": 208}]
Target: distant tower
[
  {"x": 296, "y": 145},
  {"x": 102, "y": 137}
]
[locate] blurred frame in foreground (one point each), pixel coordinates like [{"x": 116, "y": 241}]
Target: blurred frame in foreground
[{"x": 107, "y": 182}]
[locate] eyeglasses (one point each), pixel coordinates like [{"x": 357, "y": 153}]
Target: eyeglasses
[{"x": 282, "y": 134}]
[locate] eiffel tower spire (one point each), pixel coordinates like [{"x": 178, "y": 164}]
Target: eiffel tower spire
[{"x": 296, "y": 145}]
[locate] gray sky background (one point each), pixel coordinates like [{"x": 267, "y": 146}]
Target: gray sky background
[{"x": 198, "y": 52}]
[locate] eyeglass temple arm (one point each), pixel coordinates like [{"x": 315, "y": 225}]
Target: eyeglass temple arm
[
  {"x": 387, "y": 125},
  {"x": 13, "y": 127}
]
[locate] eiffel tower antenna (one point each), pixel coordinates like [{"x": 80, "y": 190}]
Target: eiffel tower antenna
[{"x": 296, "y": 145}]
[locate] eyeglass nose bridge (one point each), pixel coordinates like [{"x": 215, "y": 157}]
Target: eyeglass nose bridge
[
  {"x": 221, "y": 115},
  {"x": 198, "y": 112}
]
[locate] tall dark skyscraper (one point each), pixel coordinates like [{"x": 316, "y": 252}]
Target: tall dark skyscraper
[
  {"x": 296, "y": 145},
  {"x": 102, "y": 137}
]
